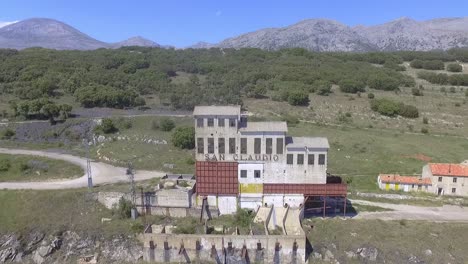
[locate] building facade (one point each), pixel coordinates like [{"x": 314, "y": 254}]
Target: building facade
[
  {"x": 403, "y": 183},
  {"x": 252, "y": 164},
  {"x": 447, "y": 178}
]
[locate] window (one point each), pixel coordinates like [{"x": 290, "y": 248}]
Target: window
[
  {"x": 232, "y": 122},
  {"x": 221, "y": 122},
  {"x": 300, "y": 159},
  {"x": 200, "y": 145},
  {"x": 269, "y": 146},
  {"x": 311, "y": 159},
  {"x": 412, "y": 186},
  {"x": 199, "y": 122},
  {"x": 210, "y": 145},
  {"x": 243, "y": 146},
  {"x": 257, "y": 145},
  {"x": 221, "y": 145},
  {"x": 321, "y": 160},
  {"x": 279, "y": 146},
  {"x": 454, "y": 190},
  {"x": 289, "y": 159},
  {"x": 243, "y": 174},
  {"x": 232, "y": 145},
  {"x": 454, "y": 180},
  {"x": 440, "y": 179},
  {"x": 210, "y": 122},
  {"x": 256, "y": 173}
]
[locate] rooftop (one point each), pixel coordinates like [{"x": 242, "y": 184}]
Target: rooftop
[
  {"x": 449, "y": 169},
  {"x": 265, "y": 127},
  {"x": 396, "y": 178},
  {"x": 302, "y": 142},
  {"x": 217, "y": 110}
]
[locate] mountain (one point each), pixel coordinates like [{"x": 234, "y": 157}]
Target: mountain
[
  {"x": 53, "y": 34},
  {"x": 328, "y": 35},
  {"x": 202, "y": 45},
  {"x": 313, "y": 34},
  {"x": 47, "y": 33},
  {"x": 136, "y": 41}
]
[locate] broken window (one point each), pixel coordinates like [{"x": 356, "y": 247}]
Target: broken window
[
  {"x": 279, "y": 146},
  {"x": 321, "y": 160},
  {"x": 232, "y": 145},
  {"x": 199, "y": 122},
  {"x": 243, "y": 174},
  {"x": 210, "y": 145},
  {"x": 232, "y": 122},
  {"x": 221, "y": 145},
  {"x": 221, "y": 122},
  {"x": 269, "y": 146},
  {"x": 311, "y": 159},
  {"x": 289, "y": 159},
  {"x": 200, "y": 145},
  {"x": 300, "y": 159},
  {"x": 210, "y": 122},
  {"x": 243, "y": 145},
  {"x": 257, "y": 145},
  {"x": 256, "y": 173}
]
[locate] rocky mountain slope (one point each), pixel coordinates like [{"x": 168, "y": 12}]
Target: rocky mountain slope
[
  {"x": 328, "y": 35},
  {"x": 53, "y": 34}
]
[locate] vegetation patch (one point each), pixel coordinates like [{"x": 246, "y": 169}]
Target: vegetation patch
[{"x": 34, "y": 168}]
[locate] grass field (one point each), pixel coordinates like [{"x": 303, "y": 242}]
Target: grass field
[
  {"x": 396, "y": 241},
  {"x": 55, "y": 211},
  {"x": 33, "y": 168}
]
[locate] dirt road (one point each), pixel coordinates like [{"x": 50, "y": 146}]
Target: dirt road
[
  {"x": 101, "y": 173},
  {"x": 446, "y": 213}
]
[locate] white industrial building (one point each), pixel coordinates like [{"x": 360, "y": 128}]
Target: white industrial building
[{"x": 252, "y": 164}]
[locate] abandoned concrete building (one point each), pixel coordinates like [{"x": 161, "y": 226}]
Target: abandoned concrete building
[{"x": 247, "y": 164}]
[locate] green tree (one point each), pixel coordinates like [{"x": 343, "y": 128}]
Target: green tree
[
  {"x": 5, "y": 164},
  {"x": 322, "y": 87},
  {"x": 166, "y": 124},
  {"x": 351, "y": 86},
  {"x": 50, "y": 111},
  {"x": 298, "y": 98},
  {"x": 184, "y": 137},
  {"x": 107, "y": 126},
  {"x": 454, "y": 67}
]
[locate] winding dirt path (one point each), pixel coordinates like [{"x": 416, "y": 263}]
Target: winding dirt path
[
  {"x": 102, "y": 173},
  {"x": 446, "y": 213}
]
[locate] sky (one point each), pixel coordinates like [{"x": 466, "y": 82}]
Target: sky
[{"x": 183, "y": 23}]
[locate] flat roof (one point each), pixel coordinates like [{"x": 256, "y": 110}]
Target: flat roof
[
  {"x": 265, "y": 127},
  {"x": 214, "y": 110},
  {"x": 310, "y": 142}
]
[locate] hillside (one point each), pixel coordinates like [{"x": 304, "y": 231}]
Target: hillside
[
  {"x": 327, "y": 35},
  {"x": 53, "y": 34}
]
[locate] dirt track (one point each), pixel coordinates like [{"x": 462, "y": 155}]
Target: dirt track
[
  {"x": 446, "y": 213},
  {"x": 101, "y": 173}
]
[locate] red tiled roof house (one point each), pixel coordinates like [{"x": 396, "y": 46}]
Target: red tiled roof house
[{"x": 447, "y": 178}]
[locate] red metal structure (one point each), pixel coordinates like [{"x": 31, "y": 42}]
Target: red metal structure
[{"x": 217, "y": 178}]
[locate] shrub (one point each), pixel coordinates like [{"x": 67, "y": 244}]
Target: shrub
[
  {"x": 298, "y": 98},
  {"x": 184, "y": 137},
  {"x": 7, "y": 134},
  {"x": 466, "y": 92},
  {"x": 166, "y": 124},
  {"x": 290, "y": 120},
  {"x": 5, "y": 164},
  {"x": 154, "y": 124},
  {"x": 425, "y": 120},
  {"x": 322, "y": 87},
  {"x": 409, "y": 111},
  {"x": 243, "y": 217},
  {"x": 416, "y": 92},
  {"x": 370, "y": 96},
  {"x": 351, "y": 86},
  {"x": 457, "y": 104},
  {"x": 424, "y": 130},
  {"x": 443, "y": 90},
  {"x": 187, "y": 225},
  {"x": 137, "y": 227},
  {"x": 190, "y": 161},
  {"x": 452, "y": 90},
  {"x": 124, "y": 209},
  {"x": 107, "y": 126},
  {"x": 124, "y": 123},
  {"x": 454, "y": 67}
]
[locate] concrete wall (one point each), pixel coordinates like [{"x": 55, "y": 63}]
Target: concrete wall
[
  {"x": 174, "y": 198},
  {"x": 446, "y": 185},
  {"x": 223, "y": 248},
  {"x": 227, "y": 204}
]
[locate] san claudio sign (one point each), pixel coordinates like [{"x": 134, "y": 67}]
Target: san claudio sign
[{"x": 242, "y": 157}]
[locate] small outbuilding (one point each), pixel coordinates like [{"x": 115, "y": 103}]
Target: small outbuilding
[{"x": 403, "y": 183}]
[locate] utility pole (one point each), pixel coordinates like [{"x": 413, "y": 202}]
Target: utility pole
[
  {"x": 131, "y": 178},
  {"x": 88, "y": 166}
]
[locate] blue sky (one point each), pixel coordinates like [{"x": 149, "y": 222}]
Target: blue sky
[{"x": 182, "y": 23}]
